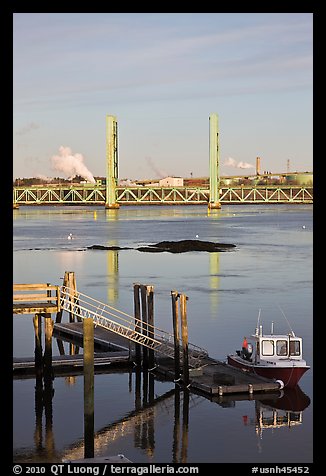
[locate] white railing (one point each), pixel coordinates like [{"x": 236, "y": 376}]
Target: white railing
[{"x": 125, "y": 325}]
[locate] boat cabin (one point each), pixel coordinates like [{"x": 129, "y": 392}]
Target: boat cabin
[{"x": 271, "y": 348}]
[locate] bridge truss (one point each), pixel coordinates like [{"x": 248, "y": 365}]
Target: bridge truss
[{"x": 90, "y": 194}]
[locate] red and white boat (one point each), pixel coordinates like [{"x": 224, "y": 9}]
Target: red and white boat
[{"x": 273, "y": 356}]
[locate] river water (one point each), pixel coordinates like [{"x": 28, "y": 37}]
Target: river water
[{"x": 270, "y": 269}]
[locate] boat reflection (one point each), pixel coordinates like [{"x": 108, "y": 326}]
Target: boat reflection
[{"x": 284, "y": 411}]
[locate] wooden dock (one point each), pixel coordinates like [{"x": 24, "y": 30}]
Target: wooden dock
[
  {"x": 213, "y": 378},
  {"x": 72, "y": 364},
  {"x": 36, "y": 299},
  {"x": 125, "y": 343}
]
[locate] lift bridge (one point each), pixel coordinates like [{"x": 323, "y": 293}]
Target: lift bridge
[
  {"x": 113, "y": 196},
  {"x": 81, "y": 306}
]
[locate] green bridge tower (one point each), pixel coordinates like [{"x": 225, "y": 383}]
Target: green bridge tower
[
  {"x": 214, "y": 202},
  {"x": 111, "y": 161}
]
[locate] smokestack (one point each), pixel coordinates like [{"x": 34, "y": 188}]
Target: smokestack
[{"x": 257, "y": 165}]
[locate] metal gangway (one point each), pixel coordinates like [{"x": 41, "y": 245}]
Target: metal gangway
[{"x": 126, "y": 325}]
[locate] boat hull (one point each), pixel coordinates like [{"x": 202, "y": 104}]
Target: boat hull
[{"x": 290, "y": 375}]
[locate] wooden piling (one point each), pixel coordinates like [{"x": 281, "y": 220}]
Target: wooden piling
[
  {"x": 144, "y": 318},
  {"x": 150, "y": 320},
  {"x": 175, "y": 316},
  {"x": 47, "y": 358},
  {"x": 69, "y": 282},
  {"x": 137, "y": 323},
  {"x": 48, "y": 324},
  {"x": 184, "y": 337},
  {"x": 37, "y": 321},
  {"x": 88, "y": 340}
]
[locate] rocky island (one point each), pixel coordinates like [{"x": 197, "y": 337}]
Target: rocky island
[{"x": 181, "y": 246}]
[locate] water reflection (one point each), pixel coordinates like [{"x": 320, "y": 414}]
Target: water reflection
[
  {"x": 140, "y": 422},
  {"x": 272, "y": 411},
  {"x": 269, "y": 412},
  {"x": 285, "y": 411},
  {"x": 44, "y": 392},
  {"x": 214, "y": 269}
]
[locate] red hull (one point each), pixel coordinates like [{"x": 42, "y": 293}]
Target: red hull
[{"x": 290, "y": 376}]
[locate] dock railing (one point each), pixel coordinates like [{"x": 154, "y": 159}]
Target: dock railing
[
  {"x": 36, "y": 298},
  {"x": 125, "y": 325}
]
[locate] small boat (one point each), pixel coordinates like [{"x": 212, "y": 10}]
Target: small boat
[{"x": 273, "y": 356}]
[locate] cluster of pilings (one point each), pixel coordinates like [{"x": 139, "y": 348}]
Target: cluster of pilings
[
  {"x": 144, "y": 356},
  {"x": 144, "y": 324}
]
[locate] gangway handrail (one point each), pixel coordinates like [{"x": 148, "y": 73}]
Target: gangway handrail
[{"x": 81, "y": 305}]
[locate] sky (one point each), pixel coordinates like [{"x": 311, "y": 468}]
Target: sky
[{"x": 162, "y": 75}]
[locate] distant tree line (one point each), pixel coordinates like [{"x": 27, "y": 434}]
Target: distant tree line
[{"x": 25, "y": 182}]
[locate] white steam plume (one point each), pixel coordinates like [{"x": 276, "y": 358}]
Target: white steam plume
[
  {"x": 71, "y": 165},
  {"x": 229, "y": 162}
]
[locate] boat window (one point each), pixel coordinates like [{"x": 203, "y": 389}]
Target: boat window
[
  {"x": 267, "y": 347},
  {"x": 282, "y": 347},
  {"x": 295, "y": 347}
]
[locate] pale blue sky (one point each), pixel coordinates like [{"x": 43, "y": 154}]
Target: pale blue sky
[{"x": 162, "y": 75}]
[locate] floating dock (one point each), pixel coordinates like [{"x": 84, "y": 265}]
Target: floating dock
[
  {"x": 122, "y": 339},
  {"x": 213, "y": 378}
]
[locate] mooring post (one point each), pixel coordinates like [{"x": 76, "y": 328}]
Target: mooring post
[
  {"x": 150, "y": 320},
  {"x": 88, "y": 327},
  {"x": 175, "y": 316},
  {"x": 37, "y": 321},
  {"x": 143, "y": 292},
  {"x": 70, "y": 283},
  {"x": 48, "y": 324},
  {"x": 137, "y": 322},
  {"x": 184, "y": 336}
]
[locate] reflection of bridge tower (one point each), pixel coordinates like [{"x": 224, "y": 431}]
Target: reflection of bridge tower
[
  {"x": 214, "y": 268},
  {"x": 213, "y": 163},
  {"x": 112, "y": 161},
  {"x": 112, "y": 262},
  {"x": 113, "y": 273}
]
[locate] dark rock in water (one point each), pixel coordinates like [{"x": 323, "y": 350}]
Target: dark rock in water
[
  {"x": 101, "y": 247},
  {"x": 187, "y": 245},
  {"x": 173, "y": 247}
]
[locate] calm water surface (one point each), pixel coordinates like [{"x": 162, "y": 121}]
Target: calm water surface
[{"x": 270, "y": 269}]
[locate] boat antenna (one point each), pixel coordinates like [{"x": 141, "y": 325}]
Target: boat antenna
[
  {"x": 258, "y": 322},
  {"x": 293, "y": 334}
]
